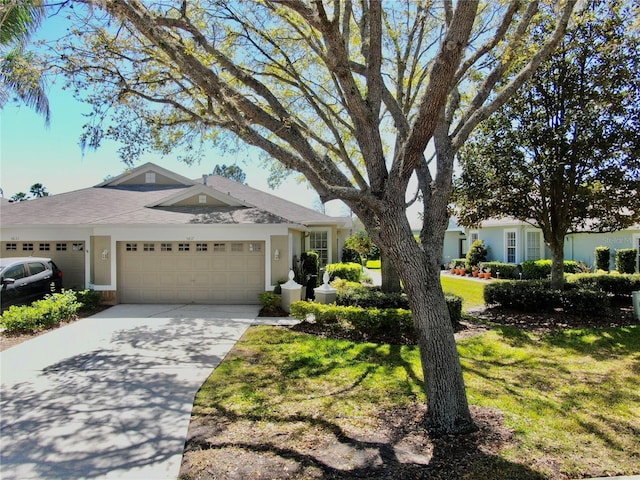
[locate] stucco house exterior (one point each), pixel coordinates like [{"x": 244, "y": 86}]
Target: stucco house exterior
[
  {"x": 153, "y": 236},
  {"x": 514, "y": 241}
]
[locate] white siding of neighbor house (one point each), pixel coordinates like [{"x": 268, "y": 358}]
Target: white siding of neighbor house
[{"x": 579, "y": 246}]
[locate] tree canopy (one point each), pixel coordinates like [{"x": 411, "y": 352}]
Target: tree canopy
[
  {"x": 20, "y": 74},
  {"x": 348, "y": 93},
  {"x": 232, "y": 172},
  {"x": 564, "y": 154}
]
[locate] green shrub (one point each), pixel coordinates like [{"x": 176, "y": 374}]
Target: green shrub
[
  {"x": 351, "y": 272},
  {"x": 541, "y": 269},
  {"x": 270, "y": 303},
  {"x": 349, "y": 255},
  {"x": 477, "y": 253},
  {"x": 537, "y": 296},
  {"x": 370, "y": 319},
  {"x": 366, "y": 297},
  {"x": 603, "y": 257},
  {"x": 458, "y": 263},
  {"x": 454, "y": 304},
  {"x": 626, "y": 260},
  {"x": 42, "y": 314},
  {"x": 619, "y": 286},
  {"x": 507, "y": 270},
  {"x": 89, "y": 299}
]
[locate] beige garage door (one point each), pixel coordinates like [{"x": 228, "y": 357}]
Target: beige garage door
[{"x": 190, "y": 272}]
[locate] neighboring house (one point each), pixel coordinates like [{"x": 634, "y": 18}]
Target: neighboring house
[
  {"x": 514, "y": 241},
  {"x": 151, "y": 236}
]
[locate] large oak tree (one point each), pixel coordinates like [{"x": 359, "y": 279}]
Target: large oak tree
[
  {"x": 348, "y": 93},
  {"x": 564, "y": 154}
]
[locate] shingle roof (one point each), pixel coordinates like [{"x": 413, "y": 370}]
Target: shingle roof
[
  {"x": 279, "y": 206},
  {"x": 127, "y": 204}
]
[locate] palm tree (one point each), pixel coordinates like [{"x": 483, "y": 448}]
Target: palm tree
[{"x": 19, "y": 75}]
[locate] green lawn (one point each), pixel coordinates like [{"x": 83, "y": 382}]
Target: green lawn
[
  {"x": 571, "y": 398},
  {"x": 471, "y": 291}
]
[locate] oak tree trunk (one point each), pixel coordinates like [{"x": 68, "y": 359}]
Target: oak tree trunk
[
  {"x": 419, "y": 270},
  {"x": 557, "y": 263}
]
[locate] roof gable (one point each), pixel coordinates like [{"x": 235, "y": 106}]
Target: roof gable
[
  {"x": 148, "y": 174},
  {"x": 199, "y": 196}
]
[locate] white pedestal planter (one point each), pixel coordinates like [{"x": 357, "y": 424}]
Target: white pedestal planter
[
  {"x": 325, "y": 293},
  {"x": 291, "y": 292}
]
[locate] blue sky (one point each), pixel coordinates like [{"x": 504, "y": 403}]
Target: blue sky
[{"x": 32, "y": 153}]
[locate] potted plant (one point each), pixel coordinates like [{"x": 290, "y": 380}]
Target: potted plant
[{"x": 475, "y": 270}]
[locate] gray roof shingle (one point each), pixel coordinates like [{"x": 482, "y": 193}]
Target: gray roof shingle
[{"x": 129, "y": 205}]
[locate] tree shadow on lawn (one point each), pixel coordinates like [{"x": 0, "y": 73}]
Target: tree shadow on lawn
[{"x": 224, "y": 444}]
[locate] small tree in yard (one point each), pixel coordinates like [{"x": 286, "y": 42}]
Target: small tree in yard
[
  {"x": 477, "y": 253},
  {"x": 348, "y": 93},
  {"x": 563, "y": 155}
]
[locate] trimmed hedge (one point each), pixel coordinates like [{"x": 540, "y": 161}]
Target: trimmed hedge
[
  {"x": 541, "y": 269},
  {"x": 619, "y": 286},
  {"x": 603, "y": 257},
  {"x": 507, "y": 270},
  {"x": 537, "y": 296},
  {"x": 369, "y": 320},
  {"x": 626, "y": 260},
  {"x": 350, "y": 271},
  {"x": 41, "y": 314}
]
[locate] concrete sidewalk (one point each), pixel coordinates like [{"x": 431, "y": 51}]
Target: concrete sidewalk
[{"x": 110, "y": 396}]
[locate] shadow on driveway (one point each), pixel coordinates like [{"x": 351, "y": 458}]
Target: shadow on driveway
[{"x": 109, "y": 396}]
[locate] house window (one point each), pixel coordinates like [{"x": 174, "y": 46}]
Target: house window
[
  {"x": 473, "y": 236},
  {"x": 219, "y": 247},
  {"x": 183, "y": 247},
  {"x": 511, "y": 246},
  {"x": 11, "y": 247},
  {"x": 201, "y": 247},
  {"x": 318, "y": 243},
  {"x": 165, "y": 247},
  {"x": 27, "y": 247},
  {"x": 533, "y": 246},
  {"x": 237, "y": 247},
  {"x": 150, "y": 177},
  {"x": 149, "y": 247},
  {"x": 202, "y": 199},
  {"x": 61, "y": 247},
  {"x": 131, "y": 247},
  {"x": 44, "y": 247}
]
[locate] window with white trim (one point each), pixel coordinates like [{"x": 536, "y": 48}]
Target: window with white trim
[
  {"x": 473, "y": 236},
  {"x": 511, "y": 246},
  {"x": 534, "y": 246},
  {"x": 318, "y": 242},
  {"x": 150, "y": 177}
]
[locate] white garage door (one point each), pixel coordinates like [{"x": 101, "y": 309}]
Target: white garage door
[{"x": 190, "y": 272}]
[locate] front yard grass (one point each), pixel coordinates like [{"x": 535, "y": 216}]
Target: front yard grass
[
  {"x": 471, "y": 291},
  {"x": 293, "y": 405}
]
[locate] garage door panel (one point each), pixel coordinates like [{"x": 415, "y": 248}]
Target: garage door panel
[{"x": 191, "y": 276}]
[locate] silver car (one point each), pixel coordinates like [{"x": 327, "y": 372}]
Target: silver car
[{"x": 25, "y": 279}]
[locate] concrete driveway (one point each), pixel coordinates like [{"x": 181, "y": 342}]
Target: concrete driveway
[{"x": 110, "y": 396}]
